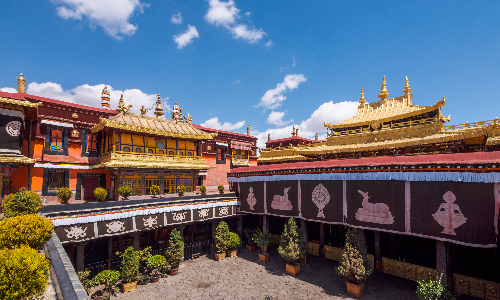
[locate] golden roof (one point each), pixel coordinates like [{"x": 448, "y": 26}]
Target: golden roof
[
  {"x": 386, "y": 110},
  {"x": 17, "y": 159},
  {"x": 137, "y": 161},
  {"x": 19, "y": 102},
  {"x": 154, "y": 126}
]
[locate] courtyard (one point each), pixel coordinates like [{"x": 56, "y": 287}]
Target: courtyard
[{"x": 243, "y": 277}]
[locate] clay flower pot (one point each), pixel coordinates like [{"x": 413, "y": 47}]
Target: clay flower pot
[
  {"x": 220, "y": 256},
  {"x": 293, "y": 270},
  {"x": 129, "y": 287},
  {"x": 173, "y": 271},
  {"x": 264, "y": 257},
  {"x": 356, "y": 290}
]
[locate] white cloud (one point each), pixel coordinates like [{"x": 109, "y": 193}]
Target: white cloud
[
  {"x": 293, "y": 58},
  {"x": 8, "y": 90},
  {"x": 250, "y": 35},
  {"x": 90, "y": 95},
  {"x": 215, "y": 124},
  {"x": 276, "y": 118},
  {"x": 273, "y": 98},
  {"x": 176, "y": 18},
  {"x": 268, "y": 44},
  {"x": 187, "y": 37},
  {"x": 248, "y": 13},
  {"x": 112, "y": 15}
]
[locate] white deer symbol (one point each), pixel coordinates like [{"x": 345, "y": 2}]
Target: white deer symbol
[
  {"x": 282, "y": 202},
  {"x": 374, "y": 212}
]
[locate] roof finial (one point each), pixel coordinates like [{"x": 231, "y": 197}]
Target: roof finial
[
  {"x": 293, "y": 130},
  {"x": 362, "y": 99},
  {"x": 143, "y": 111},
  {"x": 122, "y": 107},
  {"x": 159, "y": 110},
  {"x": 21, "y": 84},
  {"x": 407, "y": 90},
  {"x": 269, "y": 136},
  {"x": 383, "y": 92},
  {"x": 248, "y": 129},
  {"x": 105, "y": 98},
  {"x": 316, "y": 137}
]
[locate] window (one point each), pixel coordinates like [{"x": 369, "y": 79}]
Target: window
[
  {"x": 56, "y": 140},
  {"x": 138, "y": 150},
  {"x": 169, "y": 186},
  {"x": 92, "y": 143},
  {"x": 188, "y": 183},
  {"x": 150, "y": 151},
  {"x": 150, "y": 182},
  {"x": 221, "y": 154},
  {"x": 55, "y": 180},
  {"x": 126, "y": 149},
  {"x": 240, "y": 154},
  {"x": 135, "y": 184}
]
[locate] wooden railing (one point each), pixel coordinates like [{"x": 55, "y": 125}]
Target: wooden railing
[{"x": 472, "y": 125}]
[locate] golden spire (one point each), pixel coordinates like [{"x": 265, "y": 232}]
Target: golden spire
[
  {"x": 316, "y": 137},
  {"x": 21, "y": 84},
  {"x": 248, "y": 129},
  {"x": 362, "y": 99},
  {"x": 407, "y": 88},
  {"x": 122, "y": 107},
  {"x": 159, "y": 110},
  {"x": 383, "y": 92},
  {"x": 269, "y": 136}
]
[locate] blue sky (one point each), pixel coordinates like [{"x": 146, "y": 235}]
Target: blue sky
[{"x": 270, "y": 64}]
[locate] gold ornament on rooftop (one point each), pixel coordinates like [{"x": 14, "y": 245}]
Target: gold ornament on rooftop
[
  {"x": 384, "y": 94},
  {"x": 159, "y": 110},
  {"x": 122, "y": 107},
  {"x": 362, "y": 99},
  {"x": 407, "y": 88}
]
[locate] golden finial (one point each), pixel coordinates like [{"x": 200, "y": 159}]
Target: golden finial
[
  {"x": 143, "y": 111},
  {"x": 383, "y": 92},
  {"x": 269, "y": 136},
  {"x": 362, "y": 99},
  {"x": 248, "y": 129},
  {"x": 159, "y": 110},
  {"x": 407, "y": 88},
  {"x": 122, "y": 107},
  {"x": 316, "y": 137},
  {"x": 21, "y": 84},
  {"x": 293, "y": 130}
]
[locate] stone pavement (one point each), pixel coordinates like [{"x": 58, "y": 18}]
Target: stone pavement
[{"x": 243, "y": 277}]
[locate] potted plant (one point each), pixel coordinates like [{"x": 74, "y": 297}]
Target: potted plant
[
  {"x": 64, "y": 194},
  {"x": 221, "y": 189},
  {"x": 354, "y": 262},
  {"x": 109, "y": 278},
  {"x": 129, "y": 269},
  {"x": 155, "y": 191},
  {"x": 125, "y": 191},
  {"x": 433, "y": 289},
  {"x": 203, "y": 190},
  {"x": 181, "y": 190},
  {"x": 234, "y": 244},
  {"x": 290, "y": 247},
  {"x": 262, "y": 239},
  {"x": 221, "y": 240},
  {"x": 155, "y": 264},
  {"x": 249, "y": 233},
  {"x": 87, "y": 282},
  {"x": 100, "y": 194},
  {"x": 175, "y": 251}
]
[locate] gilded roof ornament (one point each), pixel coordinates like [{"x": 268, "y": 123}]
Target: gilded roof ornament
[
  {"x": 293, "y": 130},
  {"x": 21, "y": 84},
  {"x": 384, "y": 94},
  {"x": 143, "y": 111},
  {"x": 407, "y": 88},
  {"x": 362, "y": 99},
  {"x": 122, "y": 107},
  {"x": 105, "y": 98},
  {"x": 188, "y": 119},
  {"x": 176, "y": 113},
  {"x": 159, "y": 110}
]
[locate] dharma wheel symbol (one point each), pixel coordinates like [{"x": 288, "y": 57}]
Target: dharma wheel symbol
[
  {"x": 320, "y": 197},
  {"x": 449, "y": 215}
]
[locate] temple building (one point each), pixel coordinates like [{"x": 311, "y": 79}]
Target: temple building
[{"x": 426, "y": 195}]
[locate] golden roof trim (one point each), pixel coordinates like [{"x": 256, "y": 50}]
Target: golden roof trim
[
  {"x": 19, "y": 102},
  {"x": 121, "y": 160},
  {"x": 17, "y": 160},
  {"x": 282, "y": 158}
]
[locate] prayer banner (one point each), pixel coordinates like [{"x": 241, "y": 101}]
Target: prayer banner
[
  {"x": 282, "y": 198},
  {"x": 75, "y": 232},
  {"x": 149, "y": 221},
  {"x": 322, "y": 200},
  {"x": 11, "y": 133},
  {"x": 252, "y": 197}
]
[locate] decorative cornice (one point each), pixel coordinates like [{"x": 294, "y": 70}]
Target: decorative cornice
[
  {"x": 135, "y": 161},
  {"x": 20, "y": 102},
  {"x": 17, "y": 160}
]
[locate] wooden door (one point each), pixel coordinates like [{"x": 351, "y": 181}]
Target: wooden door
[{"x": 89, "y": 184}]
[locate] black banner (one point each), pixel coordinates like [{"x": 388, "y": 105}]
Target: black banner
[
  {"x": 178, "y": 217},
  {"x": 149, "y": 221},
  {"x": 75, "y": 232},
  {"x": 454, "y": 210},
  {"x": 376, "y": 204},
  {"x": 322, "y": 200},
  {"x": 115, "y": 226},
  {"x": 224, "y": 211},
  {"x": 282, "y": 198},
  {"x": 11, "y": 132},
  {"x": 203, "y": 214},
  {"x": 252, "y": 197}
]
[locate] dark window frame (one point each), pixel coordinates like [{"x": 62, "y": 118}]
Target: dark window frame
[
  {"x": 45, "y": 186},
  {"x": 48, "y": 141},
  {"x": 222, "y": 158},
  {"x": 84, "y": 144}
]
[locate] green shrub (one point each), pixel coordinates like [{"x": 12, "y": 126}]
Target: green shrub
[
  {"x": 129, "y": 267},
  {"x": 262, "y": 238},
  {"x": 175, "y": 249},
  {"x": 100, "y": 194},
  {"x": 291, "y": 244},
  {"x": 234, "y": 241},
  {"x": 354, "y": 262},
  {"x": 64, "y": 194},
  {"x": 125, "y": 191},
  {"x": 21, "y": 203},
  {"x": 156, "y": 263},
  {"x": 181, "y": 189},
  {"x": 433, "y": 290},
  {"x": 86, "y": 281},
  {"x": 29, "y": 230},
  {"x": 221, "y": 188},
  {"x": 155, "y": 190},
  {"x": 109, "y": 278},
  {"x": 203, "y": 189},
  {"x": 23, "y": 273},
  {"x": 222, "y": 237}
]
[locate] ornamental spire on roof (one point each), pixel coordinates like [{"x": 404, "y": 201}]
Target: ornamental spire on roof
[
  {"x": 384, "y": 94},
  {"x": 105, "y": 98},
  {"x": 159, "y": 110},
  {"x": 122, "y": 107},
  {"x": 21, "y": 84},
  {"x": 362, "y": 99},
  {"x": 407, "y": 90}
]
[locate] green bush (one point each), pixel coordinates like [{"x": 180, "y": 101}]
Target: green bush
[
  {"x": 203, "y": 189},
  {"x": 64, "y": 194},
  {"x": 125, "y": 191},
  {"x": 175, "y": 249},
  {"x": 156, "y": 263},
  {"x": 86, "y": 281},
  {"x": 129, "y": 267},
  {"x": 222, "y": 237},
  {"x": 109, "y": 278},
  {"x": 29, "y": 230},
  {"x": 23, "y": 273},
  {"x": 234, "y": 241},
  {"x": 21, "y": 203},
  {"x": 433, "y": 290},
  {"x": 181, "y": 189},
  {"x": 155, "y": 190},
  {"x": 262, "y": 238},
  {"x": 100, "y": 194},
  {"x": 354, "y": 262},
  {"x": 221, "y": 188},
  {"x": 291, "y": 242}
]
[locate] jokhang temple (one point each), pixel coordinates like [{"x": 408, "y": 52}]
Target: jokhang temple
[{"x": 425, "y": 194}]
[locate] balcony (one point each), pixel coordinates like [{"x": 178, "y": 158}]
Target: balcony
[
  {"x": 239, "y": 162},
  {"x": 151, "y": 161}
]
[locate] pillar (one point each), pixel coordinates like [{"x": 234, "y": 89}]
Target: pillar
[
  {"x": 240, "y": 225},
  {"x": 321, "y": 240},
  {"x": 112, "y": 188},
  {"x": 120, "y": 243},
  {"x": 160, "y": 238},
  {"x": 135, "y": 243},
  {"x": 120, "y": 184},
  {"x": 265, "y": 223},
  {"x": 110, "y": 251},
  {"x": 378, "y": 257},
  {"x": 214, "y": 226},
  {"x": 80, "y": 256},
  {"x": 303, "y": 226},
  {"x": 442, "y": 260},
  {"x": 143, "y": 186}
]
